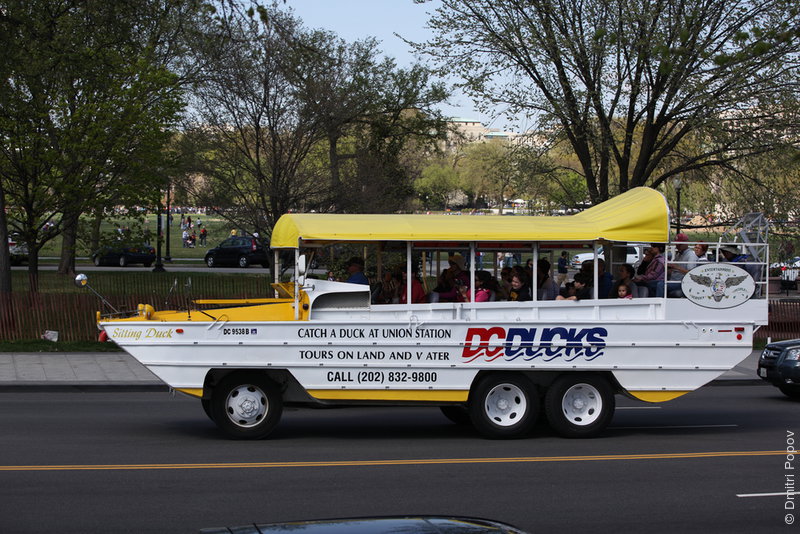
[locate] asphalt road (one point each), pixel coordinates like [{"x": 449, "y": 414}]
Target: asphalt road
[{"x": 149, "y": 462}]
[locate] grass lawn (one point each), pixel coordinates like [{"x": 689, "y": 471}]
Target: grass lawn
[{"x": 217, "y": 228}]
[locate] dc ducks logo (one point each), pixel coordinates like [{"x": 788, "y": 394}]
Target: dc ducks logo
[{"x": 548, "y": 344}]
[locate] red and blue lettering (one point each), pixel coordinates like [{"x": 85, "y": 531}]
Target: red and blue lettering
[{"x": 551, "y": 343}]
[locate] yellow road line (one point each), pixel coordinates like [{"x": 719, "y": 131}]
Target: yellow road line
[{"x": 373, "y": 463}]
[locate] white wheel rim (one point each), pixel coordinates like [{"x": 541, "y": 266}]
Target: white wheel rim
[
  {"x": 505, "y": 405},
  {"x": 582, "y": 404},
  {"x": 246, "y": 405}
]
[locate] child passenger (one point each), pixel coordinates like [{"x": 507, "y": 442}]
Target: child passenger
[{"x": 624, "y": 291}]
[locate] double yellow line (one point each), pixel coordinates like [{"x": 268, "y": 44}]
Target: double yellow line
[{"x": 377, "y": 463}]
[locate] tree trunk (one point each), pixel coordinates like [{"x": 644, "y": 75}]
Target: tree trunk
[
  {"x": 333, "y": 160},
  {"x": 5, "y": 256},
  {"x": 69, "y": 238},
  {"x": 94, "y": 243}
]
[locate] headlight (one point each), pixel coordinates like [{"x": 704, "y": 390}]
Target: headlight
[{"x": 793, "y": 354}]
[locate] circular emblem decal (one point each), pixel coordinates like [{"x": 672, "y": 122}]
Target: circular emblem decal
[{"x": 718, "y": 285}]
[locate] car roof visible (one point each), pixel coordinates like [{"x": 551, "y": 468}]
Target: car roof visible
[{"x": 377, "y": 525}]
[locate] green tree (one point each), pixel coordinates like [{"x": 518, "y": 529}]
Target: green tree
[
  {"x": 436, "y": 184},
  {"x": 627, "y": 82},
  {"x": 86, "y": 105}
]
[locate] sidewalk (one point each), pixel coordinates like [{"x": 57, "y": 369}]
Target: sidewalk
[{"x": 120, "y": 370}]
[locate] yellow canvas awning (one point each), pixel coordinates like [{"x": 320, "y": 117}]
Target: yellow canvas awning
[{"x": 638, "y": 215}]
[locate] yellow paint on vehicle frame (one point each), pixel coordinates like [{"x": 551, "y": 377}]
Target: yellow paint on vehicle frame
[
  {"x": 410, "y": 395},
  {"x": 657, "y": 396},
  {"x": 192, "y": 392}
]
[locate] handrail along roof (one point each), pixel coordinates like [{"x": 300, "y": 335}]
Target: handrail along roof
[{"x": 640, "y": 215}]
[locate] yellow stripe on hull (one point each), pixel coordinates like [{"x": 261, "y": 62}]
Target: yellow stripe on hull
[
  {"x": 657, "y": 396},
  {"x": 192, "y": 392},
  {"x": 390, "y": 395}
]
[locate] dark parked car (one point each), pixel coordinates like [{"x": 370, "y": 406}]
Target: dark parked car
[
  {"x": 124, "y": 255},
  {"x": 237, "y": 251},
  {"x": 376, "y": 525},
  {"x": 17, "y": 251},
  {"x": 779, "y": 365}
]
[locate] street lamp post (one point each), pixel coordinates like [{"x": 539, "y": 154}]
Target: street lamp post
[
  {"x": 677, "y": 184},
  {"x": 167, "y": 257},
  {"x": 159, "y": 267}
]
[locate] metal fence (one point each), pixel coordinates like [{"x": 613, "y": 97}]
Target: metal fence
[{"x": 71, "y": 312}]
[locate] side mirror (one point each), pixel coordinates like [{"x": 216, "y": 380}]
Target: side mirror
[
  {"x": 81, "y": 280},
  {"x": 301, "y": 265}
]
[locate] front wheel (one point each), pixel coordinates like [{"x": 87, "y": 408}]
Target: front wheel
[
  {"x": 97, "y": 262},
  {"x": 791, "y": 391},
  {"x": 579, "y": 405},
  {"x": 210, "y": 261},
  {"x": 504, "y": 406},
  {"x": 123, "y": 261},
  {"x": 246, "y": 405}
]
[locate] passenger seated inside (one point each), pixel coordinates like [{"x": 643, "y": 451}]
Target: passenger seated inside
[
  {"x": 355, "y": 268},
  {"x": 418, "y": 295},
  {"x": 604, "y": 280},
  {"x": 486, "y": 287},
  {"x": 684, "y": 261},
  {"x": 582, "y": 287},
  {"x": 623, "y": 291},
  {"x": 446, "y": 289},
  {"x": 547, "y": 288},
  {"x": 520, "y": 287},
  {"x": 625, "y": 274},
  {"x": 654, "y": 272}
]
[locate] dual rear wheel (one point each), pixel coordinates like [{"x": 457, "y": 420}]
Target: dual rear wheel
[{"x": 507, "y": 405}]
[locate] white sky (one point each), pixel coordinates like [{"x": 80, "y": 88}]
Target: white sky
[{"x": 358, "y": 19}]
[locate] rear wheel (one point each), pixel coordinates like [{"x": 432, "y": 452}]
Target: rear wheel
[
  {"x": 579, "y": 405},
  {"x": 246, "y": 405},
  {"x": 123, "y": 261},
  {"x": 244, "y": 262},
  {"x": 504, "y": 406},
  {"x": 791, "y": 391}
]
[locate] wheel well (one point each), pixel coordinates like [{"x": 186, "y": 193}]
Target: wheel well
[
  {"x": 543, "y": 379},
  {"x": 290, "y": 388}
]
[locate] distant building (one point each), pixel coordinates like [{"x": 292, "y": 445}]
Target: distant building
[{"x": 466, "y": 131}]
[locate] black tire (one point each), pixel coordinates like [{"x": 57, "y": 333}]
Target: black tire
[
  {"x": 246, "y": 405},
  {"x": 123, "y": 261},
  {"x": 579, "y": 405},
  {"x": 243, "y": 262},
  {"x": 791, "y": 391},
  {"x": 97, "y": 262},
  {"x": 457, "y": 414},
  {"x": 210, "y": 261},
  {"x": 504, "y": 406}
]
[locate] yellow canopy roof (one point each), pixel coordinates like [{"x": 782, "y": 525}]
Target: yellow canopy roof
[{"x": 640, "y": 214}]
